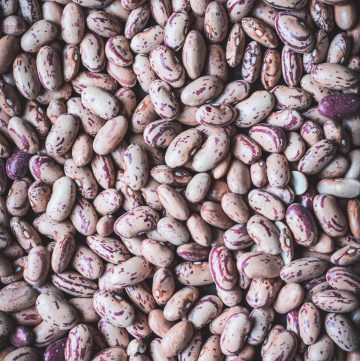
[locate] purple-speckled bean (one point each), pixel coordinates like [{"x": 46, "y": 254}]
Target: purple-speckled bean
[
  {"x": 330, "y": 216},
  {"x": 317, "y": 157},
  {"x": 294, "y": 33},
  {"x": 302, "y": 224},
  {"x": 264, "y": 233},
  {"x": 259, "y": 31},
  {"x": 164, "y": 101},
  {"x": 271, "y": 138},
  {"x": 258, "y": 264},
  {"x": 222, "y": 267}
]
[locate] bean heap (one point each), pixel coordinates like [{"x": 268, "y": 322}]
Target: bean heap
[{"x": 180, "y": 180}]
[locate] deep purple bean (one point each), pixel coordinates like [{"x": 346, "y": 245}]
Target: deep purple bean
[
  {"x": 17, "y": 165},
  {"x": 340, "y": 105}
]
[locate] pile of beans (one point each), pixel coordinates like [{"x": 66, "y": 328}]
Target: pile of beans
[{"x": 180, "y": 180}]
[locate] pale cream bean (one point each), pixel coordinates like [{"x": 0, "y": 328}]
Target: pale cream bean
[
  {"x": 271, "y": 70},
  {"x": 71, "y": 61},
  {"x": 159, "y": 134},
  {"x": 192, "y": 350},
  {"x": 156, "y": 351},
  {"x": 117, "y": 50},
  {"x": 193, "y": 273},
  {"x": 254, "y": 109},
  {"x": 62, "y": 199},
  {"x": 110, "y": 135},
  {"x": 128, "y": 273},
  {"x": 177, "y": 338},
  {"x": 199, "y": 230},
  {"x": 289, "y": 298},
  {"x": 198, "y": 187},
  {"x": 339, "y": 187},
  {"x": 266, "y": 204},
  {"x": 82, "y": 150},
  {"x": 235, "y": 207},
  {"x": 173, "y": 231},
  {"x": 176, "y": 29},
  {"x": 215, "y": 115},
  {"x": 213, "y": 214},
  {"x": 24, "y": 353},
  {"x": 173, "y": 202},
  {"x": 345, "y": 15},
  {"x": 272, "y": 139},
  {"x": 90, "y": 121},
  {"x": 233, "y": 92},
  {"x": 339, "y": 49},
  {"x": 80, "y": 286},
  {"x": 157, "y": 253},
  {"x": 100, "y": 80},
  {"x": 115, "y": 353},
  {"x": 211, "y": 349},
  {"x": 317, "y": 157},
  {"x": 218, "y": 144},
  {"x": 92, "y": 52}
]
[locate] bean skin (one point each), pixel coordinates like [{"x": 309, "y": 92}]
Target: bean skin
[{"x": 173, "y": 167}]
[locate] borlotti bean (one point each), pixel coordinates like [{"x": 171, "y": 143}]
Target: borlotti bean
[{"x": 180, "y": 180}]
